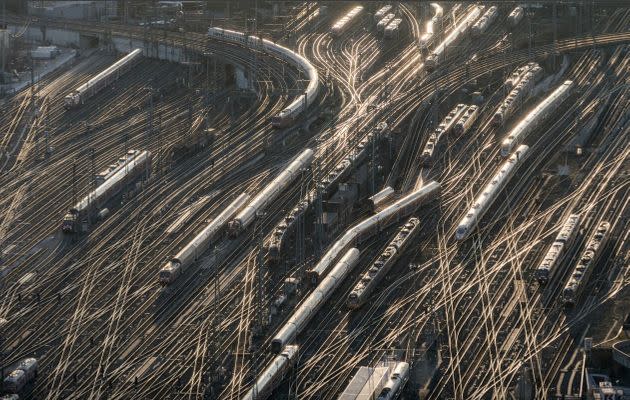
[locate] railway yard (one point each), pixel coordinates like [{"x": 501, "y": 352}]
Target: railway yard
[{"x": 342, "y": 200}]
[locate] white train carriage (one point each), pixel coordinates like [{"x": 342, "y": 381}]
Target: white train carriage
[
  {"x": 516, "y": 76},
  {"x": 330, "y": 182},
  {"x": 484, "y": 22},
  {"x": 377, "y": 200},
  {"x": 314, "y": 301},
  {"x": 428, "y": 152},
  {"x": 273, "y": 374},
  {"x": 467, "y": 119},
  {"x": 25, "y": 373},
  {"x": 138, "y": 167},
  {"x": 376, "y": 223},
  {"x": 516, "y": 16},
  {"x": 286, "y": 226},
  {"x": 393, "y": 28},
  {"x": 396, "y": 382},
  {"x": 111, "y": 169},
  {"x": 584, "y": 269},
  {"x": 430, "y": 28},
  {"x": 380, "y": 27},
  {"x": 384, "y": 262},
  {"x": 439, "y": 52},
  {"x": 270, "y": 193},
  {"x": 378, "y": 15},
  {"x": 518, "y": 95},
  {"x": 342, "y": 24},
  {"x": 558, "y": 249},
  {"x": 79, "y": 96},
  {"x": 15, "y": 381},
  {"x": 302, "y": 102},
  {"x": 200, "y": 243},
  {"x": 490, "y": 192},
  {"x": 534, "y": 119}
]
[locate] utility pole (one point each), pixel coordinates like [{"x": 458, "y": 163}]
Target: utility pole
[
  {"x": 93, "y": 166},
  {"x": 2, "y": 40},
  {"x": 259, "y": 285},
  {"x": 215, "y": 312},
  {"x": 150, "y": 132},
  {"x": 554, "y": 17},
  {"x": 74, "y": 191}
]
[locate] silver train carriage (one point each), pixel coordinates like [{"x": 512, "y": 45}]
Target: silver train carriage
[
  {"x": 584, "y": 268},
  {"x": 343, "y": 23},
  {"x": 302, "y": 102},
  {"x": 427, "y": 156},
  {"x": 314, "y": 301},
  {"x": 378, "y": 15},
  {"x": 439, "y": 52},
  {"x": 376, "y": 223},
  {"x": 79, "y": 95},
  {"x": 558, "y": 249},
  {"x": 466, "y": 120},
  {"x": 396, "y": 382},
  {"x": 484, "y": 22},
  {"x": 140, "y": 166},
  {"x": 192, "y": 251},
  {"x": 22, "y": 375},
  {"x": 489, "y": 193},
  {"x": 534, "y": 119},
  {"x": 384, "y": 262},
  {"x": 516, "y": 16},
  {"x": 269, "y": 379},
  {"x": 270, "y": 193}
]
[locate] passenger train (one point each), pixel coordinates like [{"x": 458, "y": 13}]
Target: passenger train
[{"x": 302, "y": 102}]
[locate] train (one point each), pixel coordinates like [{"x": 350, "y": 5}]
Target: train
[
  {"x": 523, "y": 88},
  {"x": 371, "y": 225},
  {"x": 516, "y": 76},
  {"x": 534, "y": 119},
  {"x": 466, "y": 120},
  {"x": 380, "y": 198},
  {"x": 484, "y": 22},
  {"x": 314, "y": 301},
  {"x": 111, "y": 169},
  {"x": 515, "y": 17},
  {"x": 428, "y": 152},
  {"x": 79, "y": 95},
  {"x": 269, "y": 193},
  {"x": 586, "y": 264},
  {"x": 301, "y": 103},
  {"x": 136, "y": 168},
  {"x": 286, "y": 227},
  {"x": 380, "y": 27},
  {"x": 21, "y": 376},
  {"x": 329, "y": 186},
  {"x": 393, "y": 28},
  {"x": 200, "y": 243},
  {"x": 342, "y": 24},
  {"x": 383, "y": 263},
  {"x": 378, "y": 15},
  {"x": 439, "y": 52},
  {"x": 490, "y": 192},
  {"x": 559, "y": 248},
  {"x": 269, "y": 379},
  {"x": 342, "y": 170},
  {"x": 396, "y": 382},
  {"x": 430, "y": 27}
]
